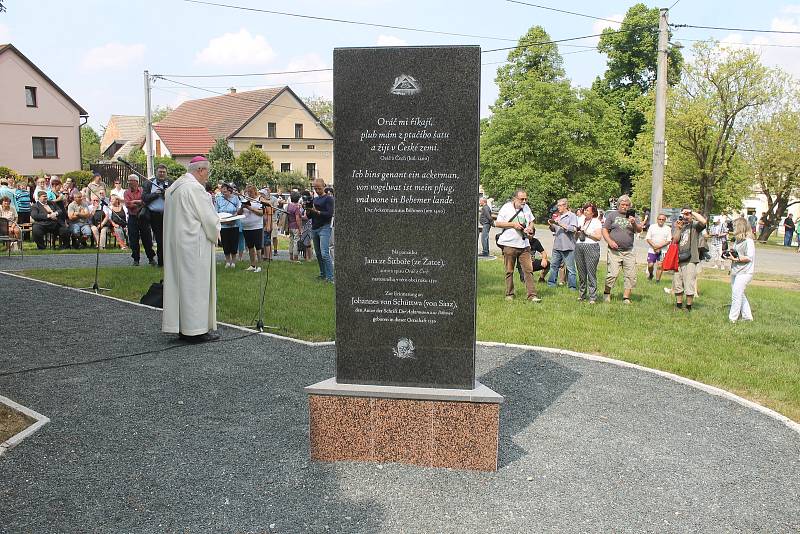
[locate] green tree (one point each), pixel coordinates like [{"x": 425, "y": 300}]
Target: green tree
[
  {"x": 529, "y": 60},
  {"x": 631, "y": 72},
  {"x": 722, "y": 92},
  {"x": 322, "y": 108},
  {"x": 174, "y": 169},
  {"x": 90, "y": 146},
  {"x": 251, "y": 160},
  {"x": 221, "y": 152},
  {"x": 226, "y": 172},
  {"x": 772, "y": 153},
  {"x": 160, "y": 113},
  {"x": 555, "y": 141}
]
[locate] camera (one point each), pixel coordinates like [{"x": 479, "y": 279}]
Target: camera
[
  {"x": 308, "y": 201},
  {"x": 730, "y": 254},
  {"x": 581, "y": 236},
  {"x": 630, "y": 213}
]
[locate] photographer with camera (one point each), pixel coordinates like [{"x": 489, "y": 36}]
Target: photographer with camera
[
  {"x": 618, "y": 230},
  {"x": 563, "y": 224},
  {"x": 743, "y": 256},
  {"x": 515, "y": 219},
  {"x": 686, "y": 234},
  {"x": 587, "y": 253},
  {"x": 321, "y": 213}
]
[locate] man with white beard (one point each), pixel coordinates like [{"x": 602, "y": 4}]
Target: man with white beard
[{"x": 191, "y": 231}]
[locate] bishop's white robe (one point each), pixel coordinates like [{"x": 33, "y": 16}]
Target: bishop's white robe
[{"x": 191, "y": 227}]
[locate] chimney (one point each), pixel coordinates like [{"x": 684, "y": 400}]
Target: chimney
[{"x": 232, "y": 90}]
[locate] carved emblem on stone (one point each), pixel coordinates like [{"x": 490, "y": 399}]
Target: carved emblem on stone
[
  {"x": 405, "y": 85},
  {"x": 405, "y": 348}
]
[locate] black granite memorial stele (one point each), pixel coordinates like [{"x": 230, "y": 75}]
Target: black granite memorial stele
[{"x": 406, "y": 175}]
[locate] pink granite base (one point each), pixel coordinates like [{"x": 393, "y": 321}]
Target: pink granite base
[{"x": 459, "y": 435}]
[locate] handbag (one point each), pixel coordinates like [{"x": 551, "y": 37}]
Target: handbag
[
  {"x": 671, "y": 258},
  {"x": 154, "y": 296}
]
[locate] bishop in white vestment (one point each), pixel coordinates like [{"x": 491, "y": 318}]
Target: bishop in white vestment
[{"x": 191, "y": 231}]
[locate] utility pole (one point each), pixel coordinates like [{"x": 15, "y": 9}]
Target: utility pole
[
  {"x": 149, "y": 125},
  {"x": 659, "y": 143}
]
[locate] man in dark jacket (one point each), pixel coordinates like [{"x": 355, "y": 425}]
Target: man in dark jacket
[
  {"x": 47, "y": 220},
  {"x": 153, "y": 198}
]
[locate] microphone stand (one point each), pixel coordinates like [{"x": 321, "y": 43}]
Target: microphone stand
[{"x": 96, "y": 286}]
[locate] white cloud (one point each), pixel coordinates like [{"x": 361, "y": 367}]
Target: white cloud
[
  {"x": 390, "y": 40},
  {"x": 601, "y": 25},
  {"x": 5, "y": 34},
  {"x": 241, "y": 48},
  {"x": 310, "y": 83},
  {"x": 782, "y": 56},
  {"x": 112, "y": 55}
]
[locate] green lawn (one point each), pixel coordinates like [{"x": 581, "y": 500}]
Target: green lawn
[{"x": 756, "y": 360}]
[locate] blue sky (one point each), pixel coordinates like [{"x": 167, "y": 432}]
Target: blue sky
[{"x": 96, "y": 50}]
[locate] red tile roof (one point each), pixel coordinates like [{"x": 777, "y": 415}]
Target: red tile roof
[
  {"x": 181, "y": 141},
  {"x": 220, "y": 116}
]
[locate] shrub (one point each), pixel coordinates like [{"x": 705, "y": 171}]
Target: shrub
[
  {"x": 5, "y": 172},
  {"x": 252, "y": 160},
  {"x": 80, "y": 178},
  {"x": 287, "y": 180},
  {"x": 221, "y": 152},
  {"x": 228, "y": 173},
  {"x": 174, "y": 169}
]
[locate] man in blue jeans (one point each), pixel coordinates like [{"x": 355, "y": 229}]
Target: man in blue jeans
[
  {"x": 485, "y": 221},
  {"x": 321, "y": 214},
  {"x": 564, "y": 223}
]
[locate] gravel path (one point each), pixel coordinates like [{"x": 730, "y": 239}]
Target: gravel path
[{"x": 214, "y": 438}]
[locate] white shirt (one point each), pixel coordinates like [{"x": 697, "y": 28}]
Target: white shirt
[
  {"x": 511, "y": 237},
  {"x": 589, "y": 229},
  {"x": 658, "y": 235},
  {"x": 252, "y": 221}
]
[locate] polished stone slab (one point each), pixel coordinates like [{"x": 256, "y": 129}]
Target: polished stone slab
[
  {"x": 406, "y": 166},
  {"x": 480, "y": 393}
]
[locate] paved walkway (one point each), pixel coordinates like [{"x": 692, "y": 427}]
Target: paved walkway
[{"x": 163, "y": 437}]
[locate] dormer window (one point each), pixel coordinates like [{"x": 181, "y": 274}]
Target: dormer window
[{"x": 30, "y": 97}]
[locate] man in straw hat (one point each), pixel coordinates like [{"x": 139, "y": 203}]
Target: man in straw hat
[{"x": 191, "y": 231}]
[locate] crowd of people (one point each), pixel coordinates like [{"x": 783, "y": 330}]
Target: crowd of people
[
  {"x": 576, "y": 250},
  {"x": 79, "y": 218}
]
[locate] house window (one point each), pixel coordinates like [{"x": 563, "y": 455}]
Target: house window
[
  {"x": 158, "y": 147},
  {"x": 45, "y": 147},
  {"x": 311, "y": 147},
  {"x": 311, "y": 170},
  {"x": 298, "y": 131},
  {"x": 272, "y": 130},
  {"x": 30, "y": 97},
  {"x": 286, "y": 167},
  {"x": 285, "y": 147}
]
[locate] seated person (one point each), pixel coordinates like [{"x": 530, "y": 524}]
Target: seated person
[
  {"x": 542, "y": 264},
  {"x": 46, "y": 220},
  {"x": 8, "y": 213},
  {"x": 79, "y": 215},
  {"x": 119, "y": 221}
]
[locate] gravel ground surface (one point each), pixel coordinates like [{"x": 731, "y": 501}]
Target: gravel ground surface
[{"x": 214, "y": 438}]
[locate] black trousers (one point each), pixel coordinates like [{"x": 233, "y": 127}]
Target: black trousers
[
  {"x": 40, "y": 229},
  {"x": 230, "y": 240},
  {"x": 157, "y": 227},
  {"x": 138, "y": 232}
]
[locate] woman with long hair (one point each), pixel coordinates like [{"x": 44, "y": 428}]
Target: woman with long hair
[
  {"x": 587, "y": 253},
  {"x": 743, "y": 256}
]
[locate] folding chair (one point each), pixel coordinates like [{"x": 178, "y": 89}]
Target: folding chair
[{"x": 6, "y": 238}]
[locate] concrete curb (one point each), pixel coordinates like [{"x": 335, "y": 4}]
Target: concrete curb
[
  {"x": 16, "y": 439},
  {"x": 711, "y": 390}
]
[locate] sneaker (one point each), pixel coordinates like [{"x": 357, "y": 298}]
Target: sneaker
[
  {"x": 534, "y": 299},
  {"x": 606, "y": 297},
  {"x": 592, "y": 302},
  {"x": 626, "y": 301},
  {"x": 251, "y": 268},
  {"x": 257, "y": 270},
  {"x": 509, "y": 297}
]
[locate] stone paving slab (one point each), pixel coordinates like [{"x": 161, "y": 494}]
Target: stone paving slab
[{"x": 214, "y": 438}]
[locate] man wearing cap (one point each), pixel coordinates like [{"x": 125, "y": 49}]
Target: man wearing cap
[
  {"x": 133, "y": 201},
  {"x": 191, "y": 232},
  {"x": 153, "y": 198}
]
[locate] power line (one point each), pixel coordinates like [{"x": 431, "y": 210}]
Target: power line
[
  {"x": 738, "y": 44},
  {"x": 563, "y": 11},
  {"x": 343, "y": 21},
  {"x": 248, "y": 74},
  {"x": 232, "y": 95},
  {"x": 561, "y": 40},
  {"x": 733, "y": 29},
  {"x": 675, "y": 3}
]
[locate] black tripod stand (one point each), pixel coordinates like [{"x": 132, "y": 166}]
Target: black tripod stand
[
  {"x": 96, "y": 286},
  {"x": 260, "y": 321}
]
